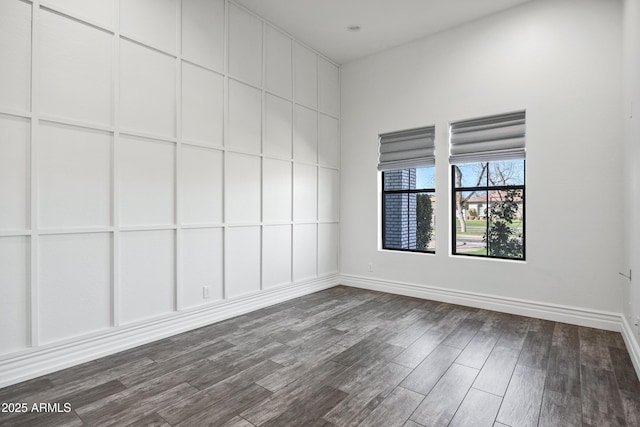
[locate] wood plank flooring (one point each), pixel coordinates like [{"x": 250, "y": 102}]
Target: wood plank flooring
[{"x": 349, "y": 357}]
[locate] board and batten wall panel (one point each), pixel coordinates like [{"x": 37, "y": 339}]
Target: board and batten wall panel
[
  {"x": 79, "y": 265},
  {"x": 14, "y": 304},
  {"x": 203, "y": 33},
  {"x": 74, "y": 177},
  {"x": 157, "y": 28},
  {"x": 15, "y": 169},
  {"x": 147, "y": 90},
  {"x": 156, "y": 162},
  {"x": 100, "y": 12},
  {"x": 278, "y": 63},
  {"x": 201, "y": 185},
  {"x": 305, "y": 76},
  {"x": 242, "y": 253},
  {"x": 202, "y": 253},
  {"x": 15, "y": 51},
  {"x": 147, "y": 274},
  {"x": 86, "y": 78},
  {"x": 278, "y": 121},
  {"x": 202, "y": 105},
  {"x": 304, "y": 244},
  {"x": 276, "y": 258},
  {"x": 245, "y": 117}
]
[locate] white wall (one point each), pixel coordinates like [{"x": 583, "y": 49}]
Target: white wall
[
  {"x": 559, "y": 60},
  {"x": 149, "y": 149},
  {"x": 632, "y": 157}
]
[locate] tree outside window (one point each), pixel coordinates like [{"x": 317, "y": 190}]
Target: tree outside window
[{"x": 488, "y": 217}]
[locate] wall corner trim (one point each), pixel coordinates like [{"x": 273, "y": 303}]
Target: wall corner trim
[
  {"x": 633, "y": 346},
  {"x": 34, "y": 362}
]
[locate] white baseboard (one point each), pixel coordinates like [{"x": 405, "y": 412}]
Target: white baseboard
[
  {"x": 633, "y": 347},
  {"x": 34, "y": 362},
  {"x": 31, "y": 363},
  {"x": 558, "y": 313}
]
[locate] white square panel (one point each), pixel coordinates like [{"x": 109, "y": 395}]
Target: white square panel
[
  {"x": 278, "y": 127},
  {"x": 242, "y": 261},
  {"x": 245, "y": 46},
  {"x": 278, "y": 62},
  {"x": 147, "y": 90},
  {"x": 14, "y": 172},
  {"x": 276, "y": 191},
  {"x": 74, "y": 296},
  {"x": 328, "y": 87},
  {"x": 147, "y": 274},
  {"x": 305, "y": 76},
  {"x": 202, "y": 105},
  {"x": 15, "y": 51},
  {"x": 203, "y": 32},
  {"x": 150, "y": 21},
  {"x": 74, "y": 177},
  {"x": 276, "y": 255},
  {"x": 305, "y": 192},
  {"x": 97, "y": 11},
  {"x": 245, "y": 117},
  {"x": 328, "y": 141},
  {"x": 242, "y": 182},
  {"x": 201, "y": 185},
  {"x": 14, "y": 303},
  {"x": 201, "y": 265},
  {"x": 327, "y": 248},
  {"x": 76, "y": 70},
  {"x": 328, "y": 194},
  {"x": 146, "y": 172},
  {"x": 304, "y": 251},
  {"x": 305, "y": 141}
]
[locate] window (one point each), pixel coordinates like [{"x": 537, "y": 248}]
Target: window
[
  {"x": 488, "y": 206},
  {"x": 408, "y": 206},
  {"x": 488, "y": 186},
  {"x": 408, "y": 190}
]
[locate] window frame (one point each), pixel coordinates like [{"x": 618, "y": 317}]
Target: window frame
[
  {"x": 430, "y": 191},
  {"x": 489, "y": 188}
]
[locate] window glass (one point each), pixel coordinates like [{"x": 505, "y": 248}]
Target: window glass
[
  {"x": 470, "y": 175},
  {"x": 506, "y": 173},
  {"x": 489, "y": 215},
  {"x": 408, "y": 207}
]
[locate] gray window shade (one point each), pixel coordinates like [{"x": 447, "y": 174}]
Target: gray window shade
[
  {"x": 405, "y": 149},
  {"x": 487, "y": 139}
]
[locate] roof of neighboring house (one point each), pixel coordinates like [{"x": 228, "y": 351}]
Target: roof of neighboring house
[{"x": 494, "y": 196}]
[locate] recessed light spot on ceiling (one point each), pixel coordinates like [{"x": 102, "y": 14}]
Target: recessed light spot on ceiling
[
  {"x": 354, "y": 28},
  {"x": 322, "y": 24}
]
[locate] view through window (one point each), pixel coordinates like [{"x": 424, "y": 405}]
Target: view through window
[
  {"x": 488, "y": 209},
  {"x": 408, "y": 207}
]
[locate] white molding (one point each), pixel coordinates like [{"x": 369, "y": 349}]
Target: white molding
[
  {"x": 633, "y": 347},
  {"x": 554, "y": 312},
  {"x": 42, "y": 360},
  {"x": 34, "y": 362},
  {"x": 559, "y": 313}
]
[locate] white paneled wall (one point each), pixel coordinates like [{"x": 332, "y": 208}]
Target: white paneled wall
[
  {"x": 156, "y": 157},
  {"x": 15, "y": 51},
  {"x": 78, "y": 265}
]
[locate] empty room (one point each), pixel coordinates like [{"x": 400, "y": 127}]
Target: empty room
[{"x": 320, "y": 213}]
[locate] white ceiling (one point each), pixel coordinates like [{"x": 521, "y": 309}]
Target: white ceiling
[{"x": 322, "y": 24}]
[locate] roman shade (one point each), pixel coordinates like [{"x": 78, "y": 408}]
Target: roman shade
[
  {"x": 413, "y": 148},
  {"x": 487, "y": 139}
]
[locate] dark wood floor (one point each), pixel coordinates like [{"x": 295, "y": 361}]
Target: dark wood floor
[{"x": 348, "y": 357}]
